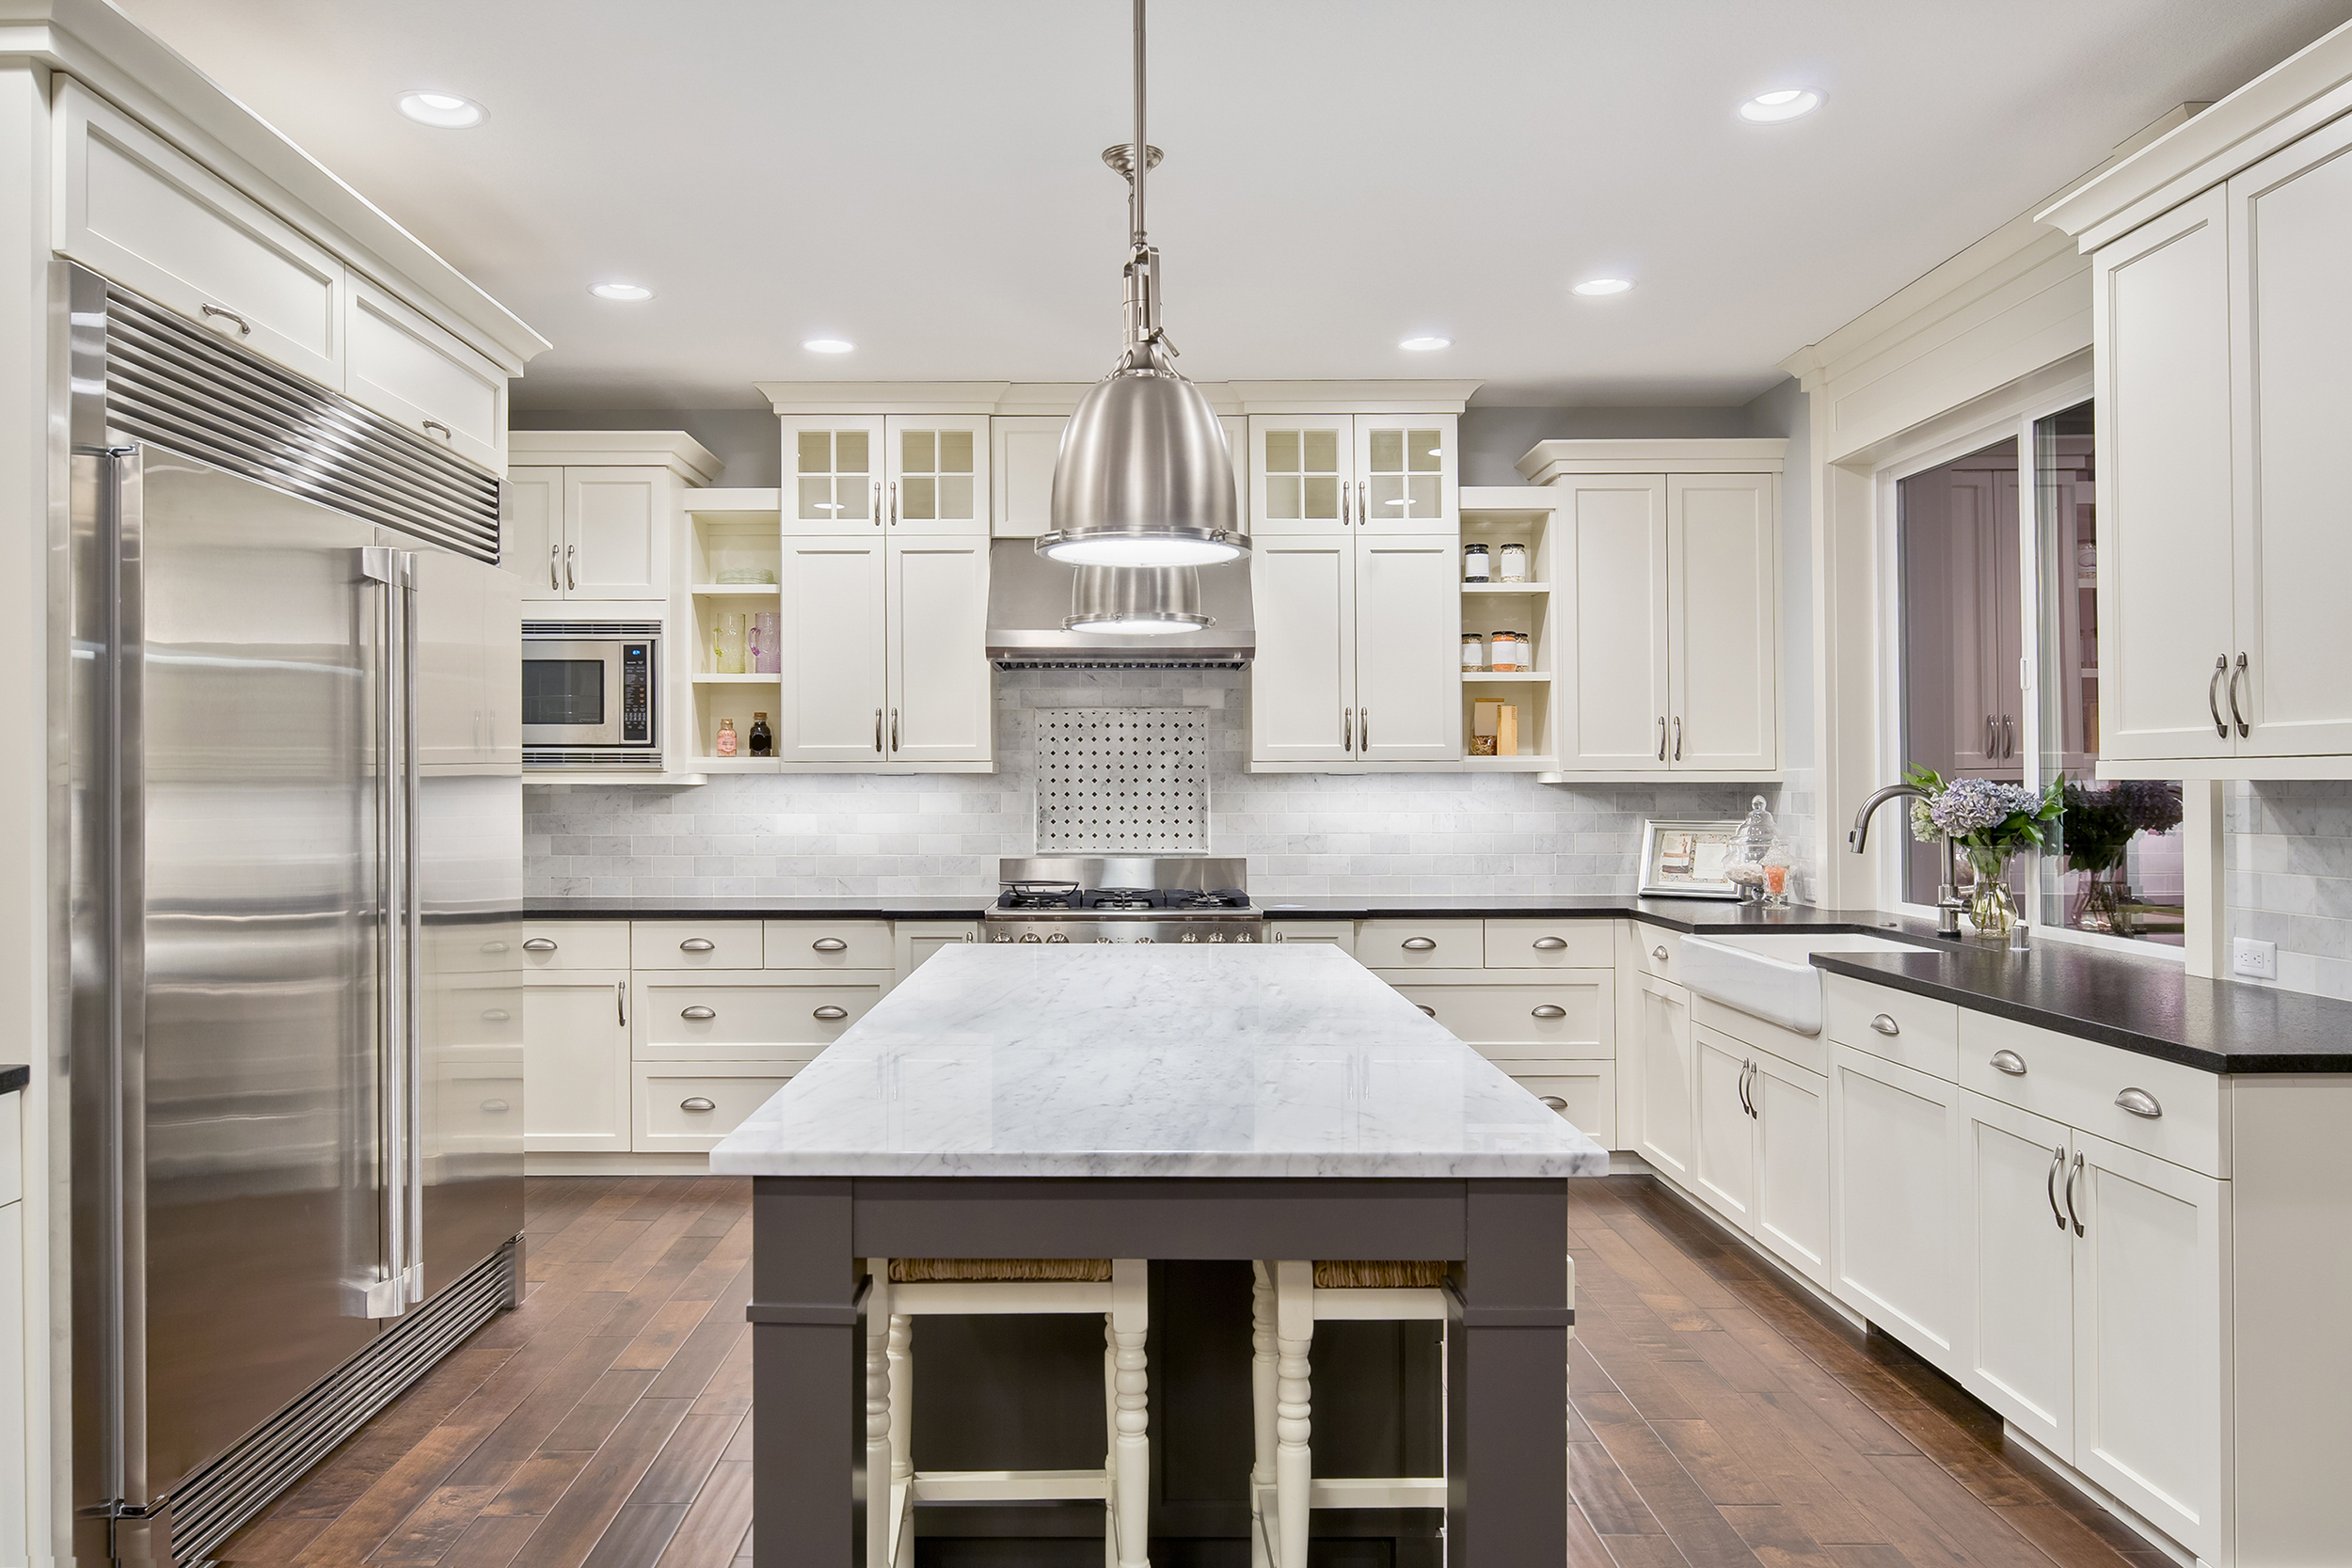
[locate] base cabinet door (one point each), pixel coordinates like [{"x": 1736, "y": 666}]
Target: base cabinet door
[
  {"x": 576, "y": 1062},
  {"x": 1723, "y": 1133},
  {"x": 1662, "y": 1073},
  {"x": 2150, "y": 1418},
  {"x": 1893, "y": 1208},
  {"x": 2017, "y": 1268},
  {"x": 1792, "y": 1210}
]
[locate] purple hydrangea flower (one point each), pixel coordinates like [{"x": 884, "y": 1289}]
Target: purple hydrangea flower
[{"x": 1972, "y": 805}]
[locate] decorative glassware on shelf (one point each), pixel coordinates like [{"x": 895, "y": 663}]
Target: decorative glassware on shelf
[
  {"x": 724, "y": 745},
  {"x": 1743, "y": 867},
  {"x": 1473, "y": 652},
  {"x": 766, "y": 643},
  {"x": 1477, "y": 564},
  {"x": 747, "y": 577},
  {"x": 1990, "y": 822},
  {"x": 763, "y": 743},
  {"x": 1514, "y": 563},
  {"x": 1780, "y": 870},
  {"x": 726, "y": 643}
]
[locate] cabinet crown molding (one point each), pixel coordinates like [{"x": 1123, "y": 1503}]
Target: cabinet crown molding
[
  {"x": 1548, "y": 461},
  {"x": 672, "y": 450},
  {"x": 1061, "y": 397}
]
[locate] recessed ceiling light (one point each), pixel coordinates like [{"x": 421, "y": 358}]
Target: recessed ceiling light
[
  {"x": 1421, "y": 345},
  {"x": 445, "y": 110},
  {"x": 620, "y": 290},
  {"x": 1769, "y": 108},
  {"x": 827, "y": 345},
  {"x": 1592, "y": 286}
]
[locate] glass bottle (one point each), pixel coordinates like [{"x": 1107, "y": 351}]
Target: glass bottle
[
  {"x": 725, "y": 744},
  {"x": 1514, "y": 563},
  {"x": 726, "y": 643},
  {"x": 1473, "y": 652},
  {"x": 763, "y": 743},
  {"x": 1477, "y": 563}
]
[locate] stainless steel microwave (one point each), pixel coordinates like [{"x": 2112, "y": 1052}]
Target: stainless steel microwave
[{"x": 592, "y": 693}]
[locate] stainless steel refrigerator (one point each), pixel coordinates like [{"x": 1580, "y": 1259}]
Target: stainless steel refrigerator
[{"x": 297, "y": 847}]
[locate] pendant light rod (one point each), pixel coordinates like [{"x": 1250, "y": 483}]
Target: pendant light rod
[{"x": 1139, "y": 159}]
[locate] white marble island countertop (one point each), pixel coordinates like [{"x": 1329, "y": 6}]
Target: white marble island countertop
[{"x": 1276, "y": 1060}]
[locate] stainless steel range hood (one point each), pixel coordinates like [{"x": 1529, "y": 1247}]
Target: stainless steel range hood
[{"x": 1028, "y": 596}]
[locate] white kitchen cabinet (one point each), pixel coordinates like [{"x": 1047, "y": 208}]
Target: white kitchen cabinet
[
  {"x": 14, "y": 1540},
  {"x": 1356, "y": 657},
  {"x": 1331, "y": 933},
  {"x": 913, "y": 941},
  {"x": 1610, "y": 557},
  {"x": 1894, "y": 1135},
  {"x": 1791, "y": 1117},
  {"x": 1584, "y": 1094},
  {"x": 2151, "y": 1413},
  {"x": 575, "y": 1061},
  {"x": 1023, "y": 448},
  {"x": 884, "y": 651},
  {"x": 835, "y": 685},
  {"x": 687, "y": 1107},
  {"x": 530, "y": 531},
  {"x": 1722, "y": 1134},
  {"x": 588, "y": 532},
  {"x": 421, "y": 376},
  {"x": 1333, "y": 473},
  {"x": 1409, "y": 684},
  {"x": 2016, "y": 1272},
  {"x": 2161, "y": 315},
  {"x": 1302, "y": 683},
  {"x": 942, "y": 691},
  {"x": 1660, "y": 1095},
  {"x": 902, "y": 475}
]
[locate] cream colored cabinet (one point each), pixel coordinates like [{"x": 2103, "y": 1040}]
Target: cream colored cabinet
[
  {"x": 421, "y": 376},
  {"x": 530, "y": 531},
  {"x": 885, "y": 652},
  {"x": 1672, "y": 661},
  {"x": 589, "y": 533},
  {"x": 1894, "y": 1141},
  {"x": 1333, "y": 933},
  {"x": 901, "y": 475},
  {"x": 914, "y": 942},
  {"x": 686, "y": 1108},
  {"x": 1357, "y": 658},
  {"x": 2017, "y": 1268},
  {"x": 1023, "y": 448},
  {"x": 1335, "y": 473},
  {"x": 1759, "y": 1147},
  {"x": 1658, "y": 1092},
  {"x": 575, "y": 1061},
  {"x": 1723, "y": 1133}
]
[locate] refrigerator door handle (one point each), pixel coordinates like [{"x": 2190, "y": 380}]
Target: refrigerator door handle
[
  {"x": 386, "y": 1296},
  {"x": 412, "y": 933}
]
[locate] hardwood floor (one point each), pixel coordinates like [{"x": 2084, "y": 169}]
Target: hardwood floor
[{"x": 1719, "y": 1419}]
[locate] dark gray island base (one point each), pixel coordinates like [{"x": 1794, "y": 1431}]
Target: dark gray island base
[{"x": 1506, "y": 1346}]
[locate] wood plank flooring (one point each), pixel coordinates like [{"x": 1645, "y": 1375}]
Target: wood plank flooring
[{"x": 1719, "y": 1420}]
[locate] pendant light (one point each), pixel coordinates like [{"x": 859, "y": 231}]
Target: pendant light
[
  {"x": 1143, "y": 478},
  {"x": 1136, "y": 601}
]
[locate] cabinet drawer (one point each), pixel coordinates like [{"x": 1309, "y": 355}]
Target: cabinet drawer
[
  {"x": 1652, "y": 950},
  {"x": 2077, "y": 1082},
  {"x": 1810, "y": 1052},
  {"x": 422, "y": 377},
  {"x": 11, "y": 1147},
  {"x": 1550, "y": 944},
  {"x": 573, "y": 944},
  {"x": 686, "y": 1107},
  {"x": 1916, "y": 1031},
  {"x": 717, "y": 1018},
  {"x": 829, "y": 945},
  {"x": 694, "y": 943},
  {"x": 1421, "y": 944},
  {"x": 1586, "y": 1093},
  {"x": 1569, "y": 1017},
  {"x": 1333, "y": 933}
]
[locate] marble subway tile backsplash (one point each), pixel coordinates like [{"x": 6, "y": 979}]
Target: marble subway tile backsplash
[
  {"x": 747, "y": 835},
  {"x": 2288, "y": 864}
]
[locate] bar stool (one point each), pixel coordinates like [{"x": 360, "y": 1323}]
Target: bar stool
[
  {"x": 1290, "y": 1298},
  {"x": 899, "y": 1290}
]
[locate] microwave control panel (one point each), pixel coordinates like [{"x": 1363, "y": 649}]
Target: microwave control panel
[{"x": 636, "y": 693}]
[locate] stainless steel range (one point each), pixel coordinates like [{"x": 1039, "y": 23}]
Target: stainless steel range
[{"x": 1123, "y": 898}]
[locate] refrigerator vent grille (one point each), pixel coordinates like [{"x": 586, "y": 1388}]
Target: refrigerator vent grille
[
  {"x": 210, "y": 1506},
  {"x": 190, "y": 391},
  {"x": 1123, "y": 780}
]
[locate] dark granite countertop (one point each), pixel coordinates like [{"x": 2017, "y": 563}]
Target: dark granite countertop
[
  {"x": 867, "y": 908},
  {"x": 14, "y": 1078},
  {"x": 2143, "y": 1005}
]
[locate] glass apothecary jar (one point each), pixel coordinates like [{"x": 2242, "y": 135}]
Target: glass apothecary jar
[
  {"x": 1473, "y": 652},
  {"x": 1514, "y": 563},
  {"x": 1477, "y": 564}
]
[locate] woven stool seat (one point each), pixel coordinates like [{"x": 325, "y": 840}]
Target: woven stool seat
[
  {"x": 921, "y": 1271},
  {"x": 1409, "y": 1274}
]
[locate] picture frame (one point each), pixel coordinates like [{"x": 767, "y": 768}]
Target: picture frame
[{"x": 1685, "y": 860}]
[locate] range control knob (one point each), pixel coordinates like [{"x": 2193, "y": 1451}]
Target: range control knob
[
  {"x": 1147, "y": 939},
  {"x": 1190, "y": 936},
  {"x": 1216, "y": 936},
  {"x": 1002, "y": 936},
  {"x": 1058, "y": 937},
  {"x": 1028, "y": 936},
  {"x": 1106, "y": 938},
  {"x": 1244, "y": 937}
]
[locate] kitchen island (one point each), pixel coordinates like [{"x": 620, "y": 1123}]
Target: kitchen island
[{"x": 1270, "y": 1102}]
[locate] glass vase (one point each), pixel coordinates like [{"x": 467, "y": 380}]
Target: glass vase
[
  {"x": 2106, "y": 903},
  {"x": 1991, "y": 908}
]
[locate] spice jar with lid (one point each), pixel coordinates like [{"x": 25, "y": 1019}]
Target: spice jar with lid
[
  {"x": 724, "y": 745},
  {"x": 1508, "y": 651},
  {"x": 1514, "y": 563},
  {"x": 763, "y": 743},
  {"x": 1473, "y": 652},
  {"x": 1477, "y": 563}
]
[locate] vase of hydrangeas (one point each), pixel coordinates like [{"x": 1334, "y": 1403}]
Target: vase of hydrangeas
[
  {"x": 2098, "y": 830},
  {"x": 1990, "y": 823}
]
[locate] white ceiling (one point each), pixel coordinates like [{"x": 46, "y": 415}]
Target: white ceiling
[{"x": 921, "y": 176}]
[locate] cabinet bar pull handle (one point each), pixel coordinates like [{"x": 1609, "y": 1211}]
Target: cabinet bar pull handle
[
  {"x": 1662, "y": 738},
  {"x": 571, "y": 563},
  {"x": 1420, "y": 944},
  {"x": 2008, "y": 1062},
  {"x": 2009, "y": 736},
  {"x": 878, "y": 730},
  {"x": 1991, "y": 743},
  {"x": 244, "y": 328},
  {"x": 829, "y": 945},
  {"x": 1547, "y": 1009},
  {"x": 539, "y": 945},
  {"x": 1551, "y": 944},
  {"x": 555, "y": 573},
  {"x": 1431, "y": 1011},
  {"x": 2072, "y": 1213},
  {"x": 1556, "y": 1103},
  {"x": 894, "y": 729},
  {"x": 2212, "y": 700},
  {"x": 697, "y": 1013},
  {"x": 620, "y": 1002},
  {"x": 494, "y": 1106},
  {"x": 447, "y": 434},
  {"x": 696, "y": 1104},
  {"x": 1740, "y": 1087},
  {"x": 893, "y": 503},
  {"x": 877, "y": 503},
  {"x": 1347, "y": 729},
  {"x": 1363, "y": 731},
  {"x": 2049, "y": 1185},
  {"x": 2244, "y": 729},
  {"x": 2141, "y": 1103},
  {"x": 697, "y": 944},
  {"x": 1886, "y": 1025},
  {"x": 830, "y": 1012},
  {"x": 1677, "y": 738}
]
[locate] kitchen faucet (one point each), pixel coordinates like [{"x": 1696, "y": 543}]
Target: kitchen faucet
[{"x": 1949, "y": 902}]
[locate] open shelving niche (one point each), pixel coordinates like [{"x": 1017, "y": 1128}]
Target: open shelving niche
[
  {"x": 730, "y": 529},
  {"x": 1495, "y": 516}
]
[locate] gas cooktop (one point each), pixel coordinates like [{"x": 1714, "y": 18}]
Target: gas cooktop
[{"x": 1123, "y": 898}]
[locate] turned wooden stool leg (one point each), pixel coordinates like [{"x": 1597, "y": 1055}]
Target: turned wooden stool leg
[
  {"x": 1293, "y": 1407},
  {"x": 1131, "y": 1482},
  {"x": 902, "y": 1356},
  {"x": 880, "y": 1439},
  {"x": 1262, "y": 1389}
]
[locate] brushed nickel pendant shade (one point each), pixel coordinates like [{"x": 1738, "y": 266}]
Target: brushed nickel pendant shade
[{"x": 1143, "y": 478}]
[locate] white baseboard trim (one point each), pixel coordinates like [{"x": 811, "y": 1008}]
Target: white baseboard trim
[
  {"x": 616, "y": 1165},
  {"x": 2101, "y": 1496}
]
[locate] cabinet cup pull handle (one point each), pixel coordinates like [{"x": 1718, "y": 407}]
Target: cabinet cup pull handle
[
  {"x": 697, "y": 944},
  {"x": 539, "y": 945},
  {"x": 1426, "y": 1009},
  {"x": 1548, "y": 1009},
  {"x": 697, "y": 1104},
  {"x": 829, "y": 945},
  {"x": 2237, "y": 672},
  {"x": 496, "y": 1107},
  {"x": 2049, "y": 1184},
  {"x": 447, "y": 434},
  {"x": 2213, "y": 697},
  {"x": 244, "y": 328},
  {"x": 1554, "y": 1103},
  {"x": 1551, "y": 944},
  {"x": 829, "y": 1013},
  {"x": 2072, "y": 1213},
  {"x": 1885, "y": 1025},
  {"x": 2141, "y": 1103},
  {"x": 1660, "y": 952},
  {"x": 697, "y": 1013},
  {"x": 1420, "y": 944},
  {"x": 495, "y": 1015},
  {"x": 2008, "y": 1062}
]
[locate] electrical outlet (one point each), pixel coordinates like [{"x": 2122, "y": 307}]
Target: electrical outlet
[{"x": 2255, "y": 959}]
